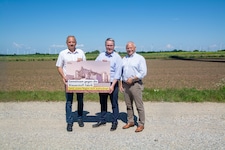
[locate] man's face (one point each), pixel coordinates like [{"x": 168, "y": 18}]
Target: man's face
[
  {"x": 71, "y": 43},
  {"x": 130, "y": 49},
  {"x": 109, "y": 45}
]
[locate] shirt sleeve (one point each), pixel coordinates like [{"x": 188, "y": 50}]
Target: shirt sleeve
[
  {"x": 99, "y": 57},
  {"x": 142, "y": 68},
  {"x": 59, "y": 62},
  {"x": 118, "y": 68},
  {"x": 83, "y": 56}
]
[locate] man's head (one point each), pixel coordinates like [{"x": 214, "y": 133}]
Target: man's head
[
  {"x": 109, "y": 45},
  {"x": 130, "y": 48},
  {"x": 71, "y": 42}
]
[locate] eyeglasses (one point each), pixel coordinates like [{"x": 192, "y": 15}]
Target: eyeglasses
[{"x": 109, "y": 45}]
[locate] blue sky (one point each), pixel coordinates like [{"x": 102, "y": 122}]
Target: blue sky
[{"x": 154, "y": 25}]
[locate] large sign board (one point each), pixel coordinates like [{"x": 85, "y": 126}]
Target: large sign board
[{"x": 88, "y": 77}]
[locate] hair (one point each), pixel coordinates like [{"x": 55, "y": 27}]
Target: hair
[
  {"x": 72, "y": 37},
  {"x": 131, "y": 42},
  {"x": 110, "y": 39}
]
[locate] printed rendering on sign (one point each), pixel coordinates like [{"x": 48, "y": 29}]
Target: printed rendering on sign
[{"x": 88, "y": 76}]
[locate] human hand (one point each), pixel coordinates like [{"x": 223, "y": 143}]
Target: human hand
[
  {"x": 121, "y": 89},
  {"x": 129, "y": 81},
  {"x": 79, "y": 59},
  {"x": 64, "y": 80},
  {"x": 111, "y": 89}
]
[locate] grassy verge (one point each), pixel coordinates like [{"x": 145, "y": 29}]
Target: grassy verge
[
  {"x": 147, "y": 55},
  {"x": 164, "y": 95},
  {"x": 184, "y": 95}
]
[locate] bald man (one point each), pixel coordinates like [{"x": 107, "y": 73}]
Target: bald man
[{"x": 134, "y": 69}]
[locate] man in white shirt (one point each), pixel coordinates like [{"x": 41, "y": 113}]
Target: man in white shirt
[{"x": 71, "y": 54}]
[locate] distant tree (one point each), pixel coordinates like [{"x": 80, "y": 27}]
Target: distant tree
[
  {"x": 195, "y": 50},
  {"x": 94, "y": 52},
  {"x": 175, "y": 50},
  {"x": 179, "y": 50}
]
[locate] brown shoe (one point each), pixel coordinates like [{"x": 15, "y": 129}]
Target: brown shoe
[
  {"x": 128, "y": 125},
  {"x": 139, "y": 128}
]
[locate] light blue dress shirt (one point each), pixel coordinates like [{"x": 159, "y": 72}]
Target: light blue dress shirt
[
  {"x": 115, "y": 64},
  {"x": 134, "y": 65}
]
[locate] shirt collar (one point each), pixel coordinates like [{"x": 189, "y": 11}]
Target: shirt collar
[
  {"x": 108, "y": 55},
  {"x": 129, "y": 56},
  {"x": 69, "y": 52}
]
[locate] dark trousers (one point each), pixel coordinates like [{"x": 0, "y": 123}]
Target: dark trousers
[
  {"x": 114, "y": 102},
  {"x": 69, "y": 102}
]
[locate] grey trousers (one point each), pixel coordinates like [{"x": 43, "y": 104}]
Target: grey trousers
[{"x": 133, "y": 93}]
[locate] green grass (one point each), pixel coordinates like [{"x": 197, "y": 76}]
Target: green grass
[
  {"x": 184, "y": 95},
  {"x": 147, "y": 55},
  {"x": 153, "y": 95}
]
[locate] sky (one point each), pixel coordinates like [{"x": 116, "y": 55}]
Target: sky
[{"x": 42, "y": 26}]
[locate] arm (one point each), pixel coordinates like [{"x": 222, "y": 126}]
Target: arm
[
  {"x": 121, "y": 86},
  {"x": 60, "y": 70},
  {"x": 141, "y": 71},
  {"x": 117, "y": 73},
  {"x": 111, "y": 88}
]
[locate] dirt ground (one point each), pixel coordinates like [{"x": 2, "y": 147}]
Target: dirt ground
[
  {"x": 169, "y": 126},
  {"x": 173, "y": 73},
  {"x": 41, "y": 125}
]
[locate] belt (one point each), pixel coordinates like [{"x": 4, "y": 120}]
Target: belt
[{"x": 139, "y": 82}]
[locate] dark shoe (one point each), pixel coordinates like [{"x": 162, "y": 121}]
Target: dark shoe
[
  {"x": 128, "y": 125},
  {"x": 139, "y": 128},
  {"x": 69, "y": 127},
  {"x": 114, "y": 126},
  {"x": 98, "y": 124},
  {"x": 80, "y": 123}
]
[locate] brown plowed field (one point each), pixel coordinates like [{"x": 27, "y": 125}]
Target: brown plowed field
[{"x": 43, "y": 75}]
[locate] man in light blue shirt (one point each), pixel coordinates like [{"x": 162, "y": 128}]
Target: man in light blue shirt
[
  {"x": 134, "y": 69},
  {"x": 115, "y": 75}
]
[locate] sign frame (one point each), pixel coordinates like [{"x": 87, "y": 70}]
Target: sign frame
[{"x": 88, "y": 77}]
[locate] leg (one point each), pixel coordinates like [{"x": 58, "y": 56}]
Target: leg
[
  {"x": 103, "y": 102},
  {"x": 137, "y": 92},
  {"x": 80, "y": 106},
  {"x": 69, "y": 102},
  {"x": 129, "y": 103},
  {"x": 115, "y": 107},
  {"x": 114, "y": 102},
  {"x": 69, "y": 117}
]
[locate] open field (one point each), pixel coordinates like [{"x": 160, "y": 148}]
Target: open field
[
  {"x": 162, "y": 74},
  {"x": 180, "y": 79}
]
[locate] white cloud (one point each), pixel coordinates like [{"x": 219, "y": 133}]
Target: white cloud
[
  {"x": 120, "y": 47},
  {"x": 80, "y": 45},
  {"x": 64, "y": 46},
  {"x": 57, "y": 46},
  {"x": 17, "y": 45},
  {"x": 169, "y": 46},
  {"x": 213, "y": 46}
]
